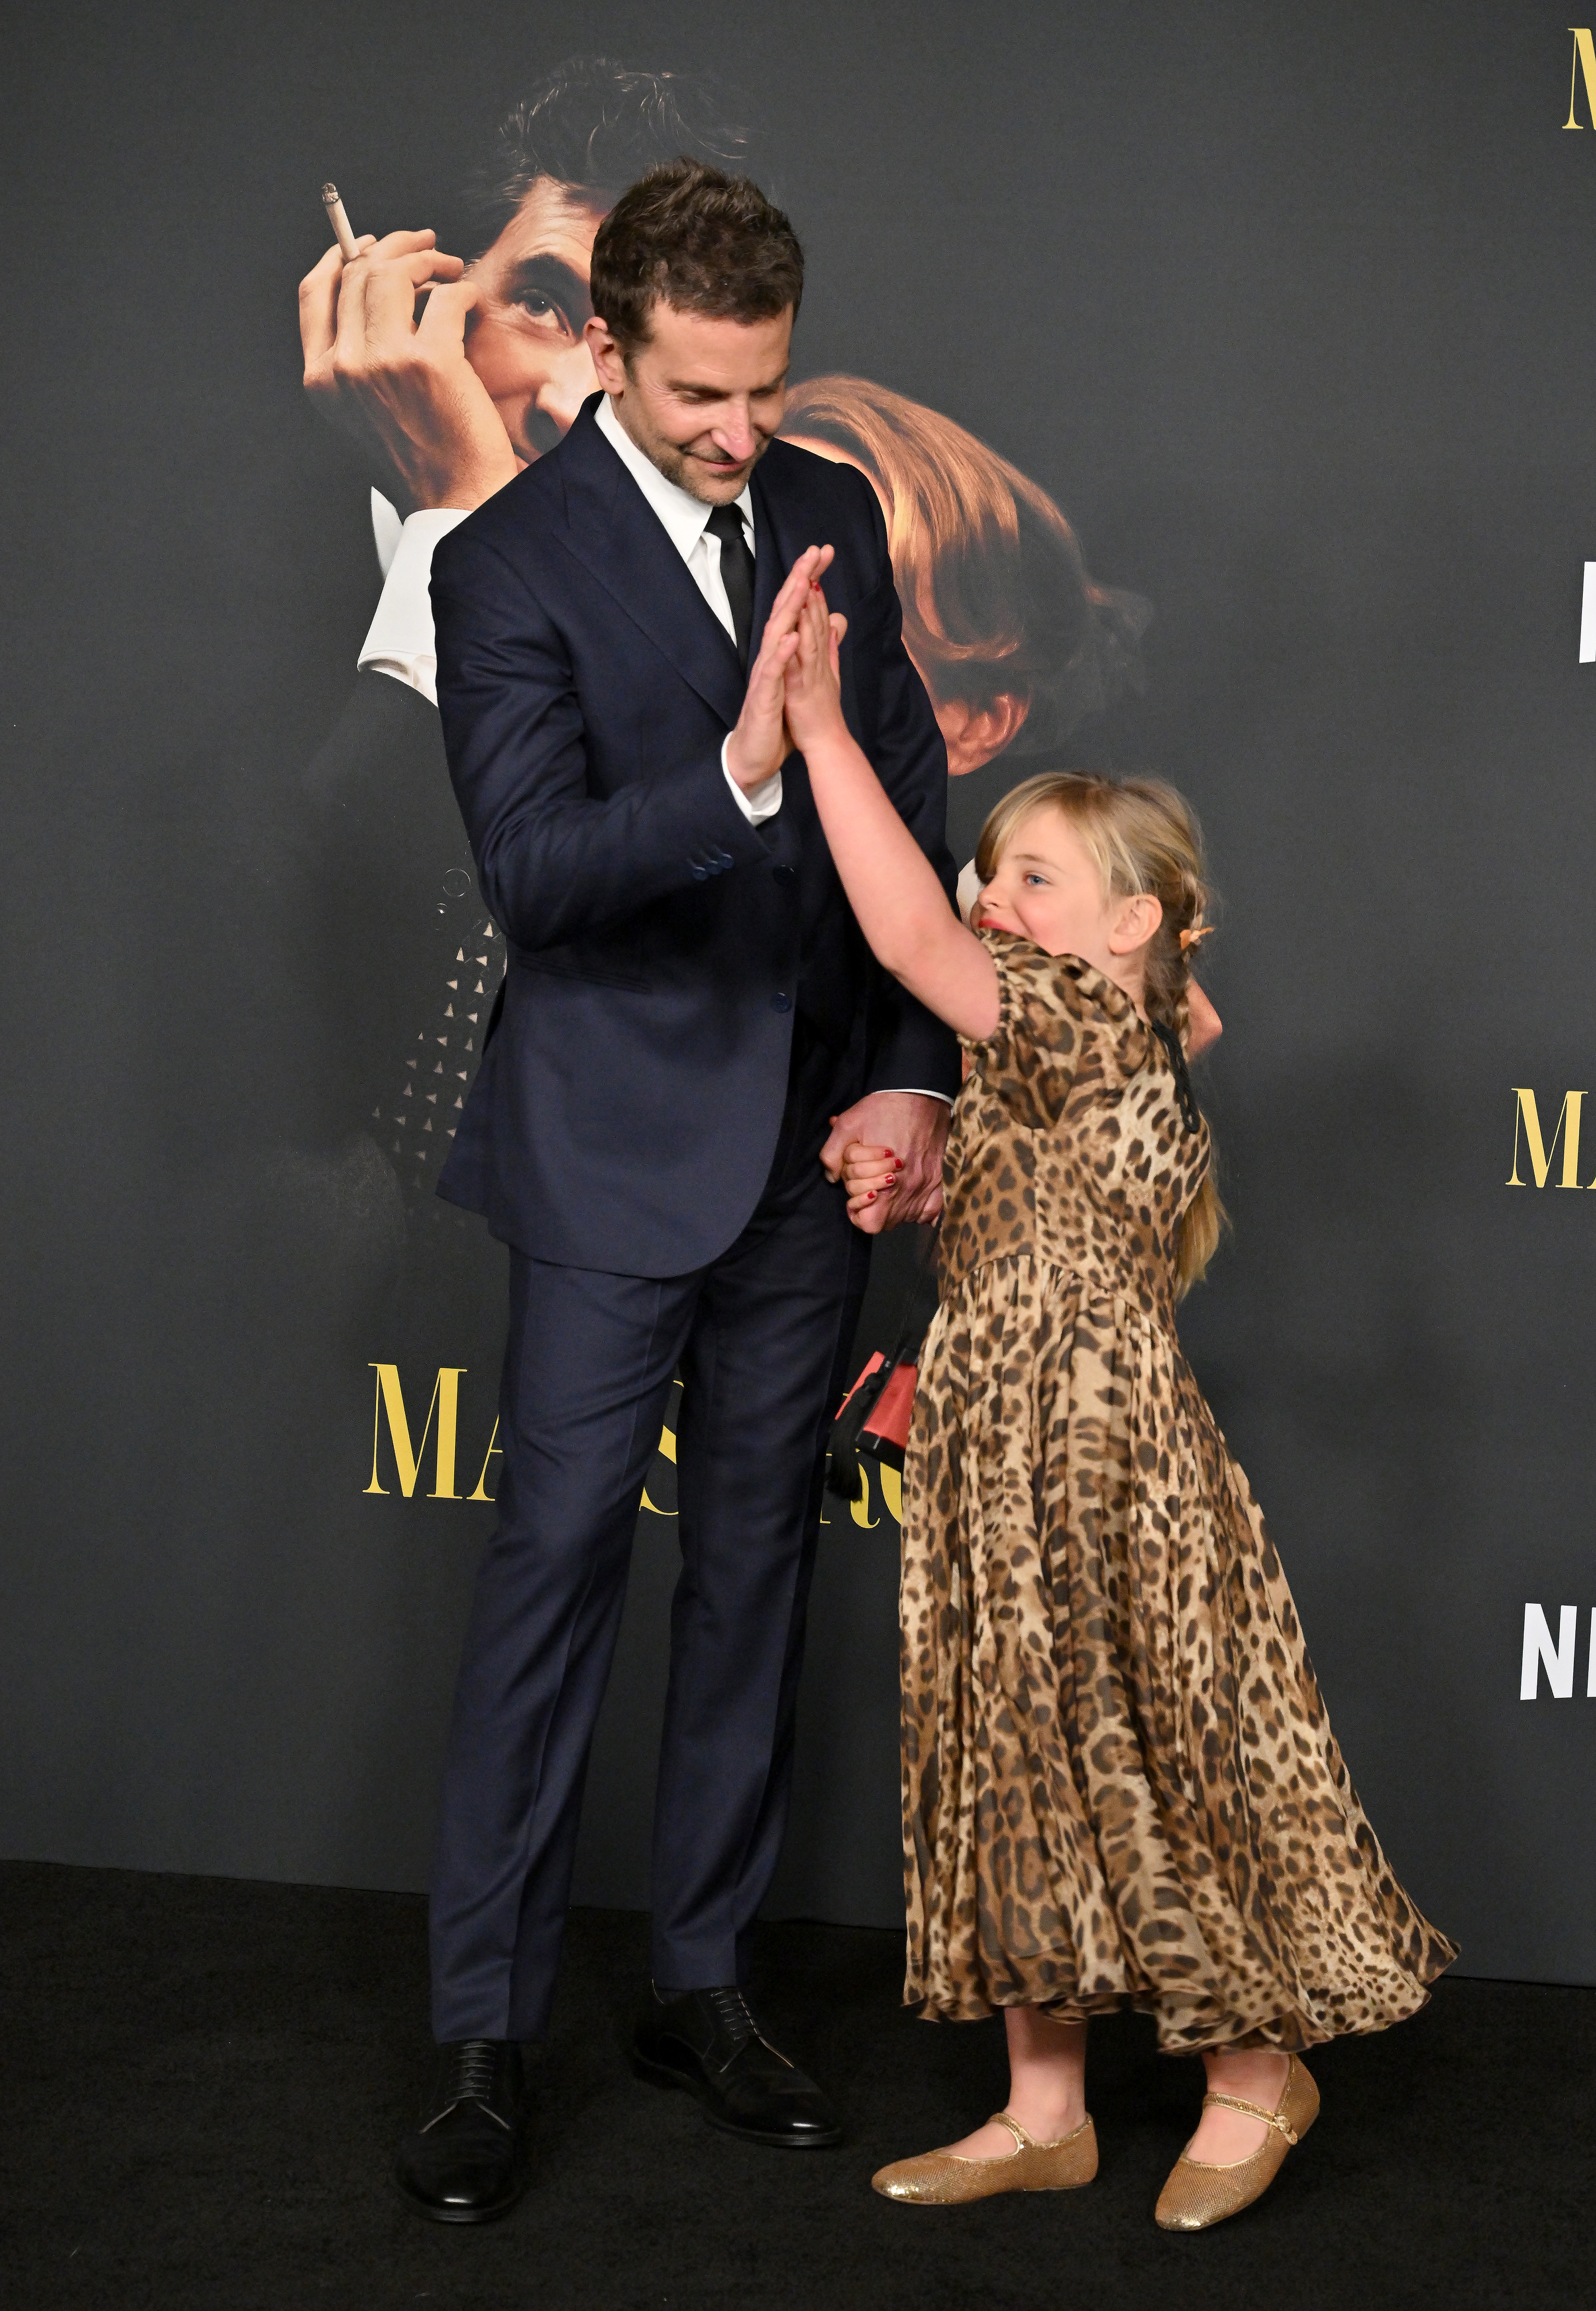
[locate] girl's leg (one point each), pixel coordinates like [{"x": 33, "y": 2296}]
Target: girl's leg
[
  {"x": 1224, "y": 2136},
  {"x": 1047, "y": 2083}
]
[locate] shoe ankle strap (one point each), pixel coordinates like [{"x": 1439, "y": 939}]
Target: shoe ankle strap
[
  {"x": 1251, "y": 2110},
  {"x": 1028, "y": 2141}
]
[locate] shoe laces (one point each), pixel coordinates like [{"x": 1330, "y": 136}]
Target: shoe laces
[
  {"x": 469, "y": 2071},
  {"x": 733, "y": 2020}
]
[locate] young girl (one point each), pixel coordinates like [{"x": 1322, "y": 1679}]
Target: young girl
[{"x": 1118, "y": 1779}]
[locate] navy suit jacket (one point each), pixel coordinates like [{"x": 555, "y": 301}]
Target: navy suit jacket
[{"x": 661, "y": 947}]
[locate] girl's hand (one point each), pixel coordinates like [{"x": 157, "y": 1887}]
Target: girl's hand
[
  {"x": 761, "y": 742},
  {"x": 811, "y": 671},
  {"x": 867, "y": 1174}
]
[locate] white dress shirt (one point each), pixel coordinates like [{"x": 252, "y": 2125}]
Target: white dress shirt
[
  {"x": 682, "y": 520},
  {"x": 400, "y": 640}
]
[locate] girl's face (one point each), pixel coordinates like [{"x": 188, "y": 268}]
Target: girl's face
[{"x": 1046, "y": 888}]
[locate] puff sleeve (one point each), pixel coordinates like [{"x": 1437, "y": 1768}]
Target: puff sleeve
[{"x": 1031, "y": 1059}]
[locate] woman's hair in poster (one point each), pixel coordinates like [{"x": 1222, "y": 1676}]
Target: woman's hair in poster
[{"x": 997, "y": 598}]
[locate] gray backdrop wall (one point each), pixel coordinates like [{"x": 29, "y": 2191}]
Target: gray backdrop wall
[{"x": 1291, "y": 312}]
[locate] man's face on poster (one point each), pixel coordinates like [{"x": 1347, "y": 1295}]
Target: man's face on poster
[{"x": 526, "y": 340}]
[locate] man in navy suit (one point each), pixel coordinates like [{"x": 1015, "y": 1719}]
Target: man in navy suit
[{"x": 691, "y": 1027}]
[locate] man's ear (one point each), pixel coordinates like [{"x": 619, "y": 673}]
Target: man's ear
[
  {"x": 1135, "y": 923},
  {"x": 609, "y": 363},
  {"x": 973, "y": 734}
]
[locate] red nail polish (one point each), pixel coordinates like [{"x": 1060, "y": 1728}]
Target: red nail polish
[{"x": 871, "y": 1196}]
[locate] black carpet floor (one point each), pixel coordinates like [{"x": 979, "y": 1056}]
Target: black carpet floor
[{"x": 203, "y": 2082}]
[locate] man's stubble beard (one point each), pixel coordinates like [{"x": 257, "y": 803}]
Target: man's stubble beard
[
  {"x": 690, "y": 474},
  {"x": 687, "y": 472}
]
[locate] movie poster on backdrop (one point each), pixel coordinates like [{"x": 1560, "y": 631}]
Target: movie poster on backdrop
[
  {"x": 1221, "y": 379},
  {"x": 1024, "y": 652}
]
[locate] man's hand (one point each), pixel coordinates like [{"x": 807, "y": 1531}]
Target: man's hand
[
  {"x": 911, "y": 1127},
  {"x": 761, "y": 743},
  {"x": 1204, "y": 1026},
  {"x": 402, "y": 386}
]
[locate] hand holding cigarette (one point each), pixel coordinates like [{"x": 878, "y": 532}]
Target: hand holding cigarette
[
  {"x": 343, "y": 229},
  {"x": 402, "y": 387}
]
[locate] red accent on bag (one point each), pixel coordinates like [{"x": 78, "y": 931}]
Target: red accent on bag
[{"x": 885, "y": 1432}]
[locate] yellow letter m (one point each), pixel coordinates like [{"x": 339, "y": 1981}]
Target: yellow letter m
[
  {"x": 445, "y": 1403},
  {"x": 1584, "y": 60},
  {"x": 1527, "y": 1120}
]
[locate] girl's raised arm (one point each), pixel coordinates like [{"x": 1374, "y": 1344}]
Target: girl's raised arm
[{"x": 901, "y": 908}]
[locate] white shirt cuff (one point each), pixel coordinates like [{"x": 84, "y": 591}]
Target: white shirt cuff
[
  {"x": 758, "y": 803},
  {"x": 401, "y": 640},
  {"x": 919, "y": 1090}
]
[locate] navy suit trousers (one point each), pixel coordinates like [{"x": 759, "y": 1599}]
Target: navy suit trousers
[{"x": 761, "y": 1337}]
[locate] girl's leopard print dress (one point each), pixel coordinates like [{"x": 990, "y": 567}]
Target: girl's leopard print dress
[{"x": 1118, "y": 1779}]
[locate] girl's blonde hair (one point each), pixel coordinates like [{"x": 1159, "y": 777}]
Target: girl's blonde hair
[{"x": 1142, "y": 837}]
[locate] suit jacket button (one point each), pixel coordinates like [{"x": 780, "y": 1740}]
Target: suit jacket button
[
  {"x": 699, "y": 874},
  {"x": 785, "y": 874},
  {"x": 780, "y": 1003}
]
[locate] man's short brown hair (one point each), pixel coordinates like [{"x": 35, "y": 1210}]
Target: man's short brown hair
[{"x": 688, "y": 236}]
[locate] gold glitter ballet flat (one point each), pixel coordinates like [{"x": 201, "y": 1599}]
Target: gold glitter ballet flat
[
  {"x": 941, "y": 2179},
  {"x": 1198, "y": 2195}
]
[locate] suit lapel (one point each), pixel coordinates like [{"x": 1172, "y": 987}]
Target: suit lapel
[
  {"x": 613, "y": 531},
  {"x": 774, "y": 557}
]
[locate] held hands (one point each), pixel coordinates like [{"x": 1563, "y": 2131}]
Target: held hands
[
  {"x": 869, "y": 1174},
  {"x": 793, "y": 683},
  {"x": 402, "y": 386},
  {"x": 886, "y": 1150}
]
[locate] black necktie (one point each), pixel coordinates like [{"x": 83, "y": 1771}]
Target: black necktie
[{"x": 736, "y": 573}]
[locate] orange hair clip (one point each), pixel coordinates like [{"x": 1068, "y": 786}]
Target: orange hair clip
[{"x": 1190, "y": 937}]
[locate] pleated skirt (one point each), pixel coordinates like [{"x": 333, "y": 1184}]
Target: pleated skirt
[{"x": 1119, "y": 1782}]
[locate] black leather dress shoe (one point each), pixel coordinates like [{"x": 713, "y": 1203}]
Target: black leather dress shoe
[
  {"x": 467, "y": 2161},
  {"x": 709, "y": 2041}
]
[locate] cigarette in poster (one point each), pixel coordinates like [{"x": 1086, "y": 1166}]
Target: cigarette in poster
[{"x": 340, "y": 223}]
